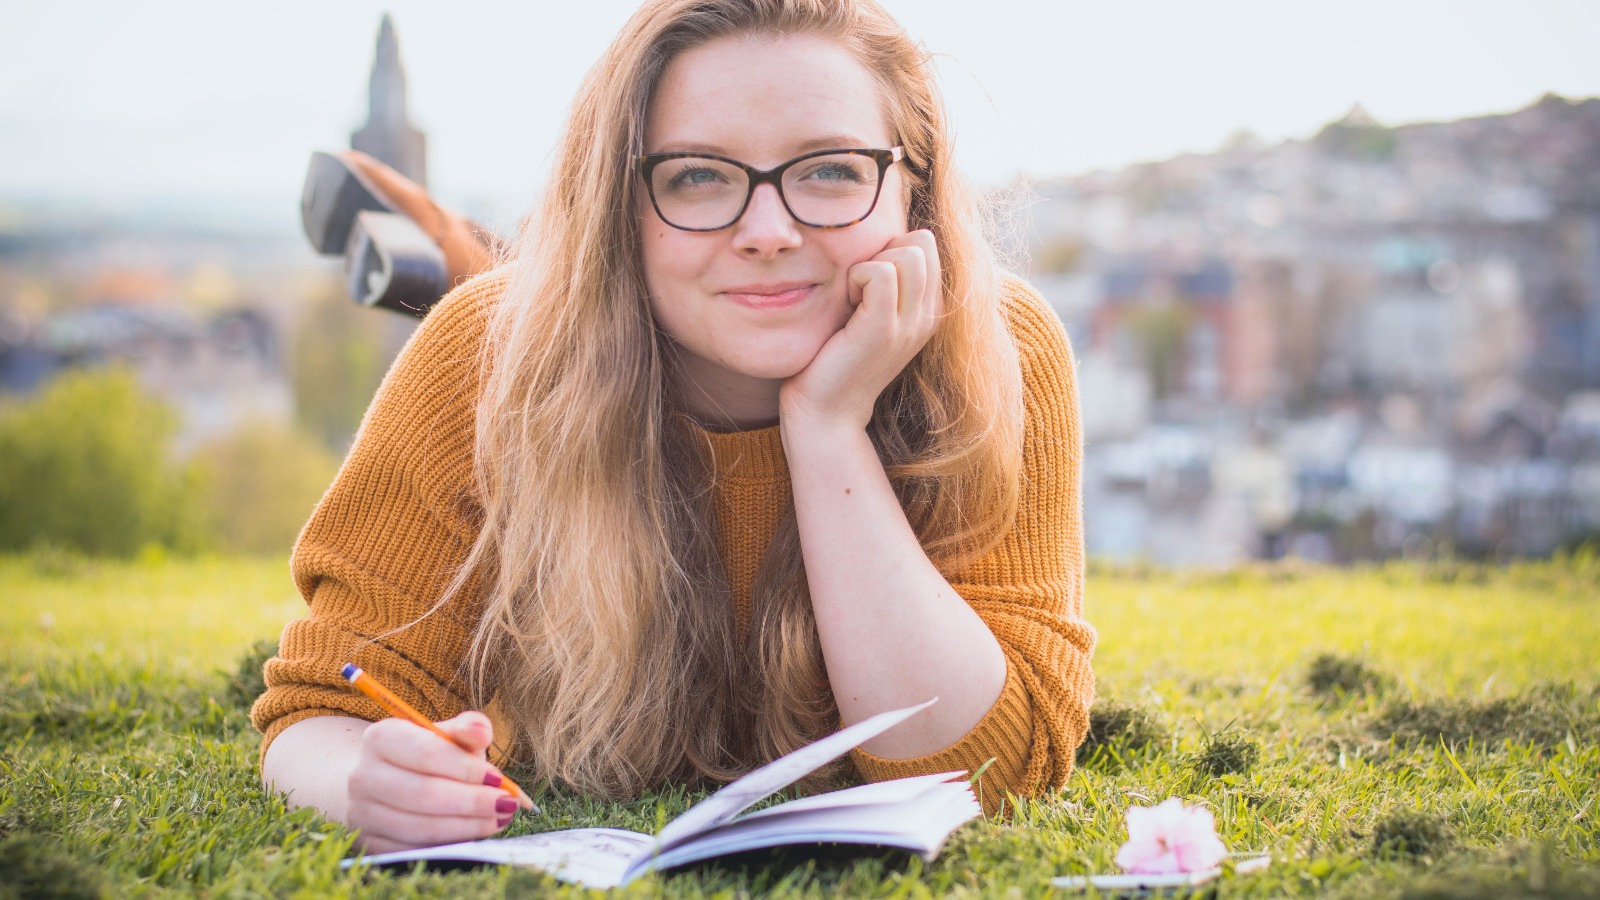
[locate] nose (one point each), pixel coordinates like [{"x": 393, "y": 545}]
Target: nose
[{"x": 766, "y": 229}]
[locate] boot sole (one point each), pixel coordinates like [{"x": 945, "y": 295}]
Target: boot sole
[
  {"x": 390, "y": 263},
  {"x": 333, "y": 194}
]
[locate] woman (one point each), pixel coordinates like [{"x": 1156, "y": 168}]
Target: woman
[{"x": 748, "y": 441}]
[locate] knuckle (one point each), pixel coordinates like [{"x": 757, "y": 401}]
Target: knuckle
[
  {"x": 362, "y": 781},
  {"x": 379, "y": 732},
  {"x": 433, "y": 797},
  {"x": 477, "y": 724},
  {"x": 443, "y": 829},
  {"x": 485, "y": 805},
  {"x": 360, "y": 817},
  {"x": 426, "y": 829},
  {"x": 439, "y": 757},
  {"x": 388, "y": 739},
  {"x": 904, "y": 255},
  {"x": 472, "y": 802},
  {"x": 375, "y": 820}
]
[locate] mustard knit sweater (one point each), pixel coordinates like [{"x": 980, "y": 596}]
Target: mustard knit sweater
[{"x": 399, "y": 518}]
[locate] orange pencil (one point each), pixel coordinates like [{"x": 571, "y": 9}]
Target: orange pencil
[{"x": 400, "y": 709}]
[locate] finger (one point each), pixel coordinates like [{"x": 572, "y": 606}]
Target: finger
[
  {"x": 411, "y": 828},
  {"x": 471, "y": 729},
  {"x": 475, "y": 731},
  {"x": 922, "y": 238},
  {"x": 878, "y": 282},
  {"x": 425, "y": 794},
  {"x": 934, "y": 285},
  {"x": 925, "y": 316},
  {"x": 400, "y": 743},
  {"x": 933, "y": 278},
  {"x": 911, "y": 275}
]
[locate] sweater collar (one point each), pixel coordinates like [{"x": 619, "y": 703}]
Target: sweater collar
[{"x": 754, "y": 455}]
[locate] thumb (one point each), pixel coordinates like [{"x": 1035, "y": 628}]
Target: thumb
[{"x": 470, "y": 729}]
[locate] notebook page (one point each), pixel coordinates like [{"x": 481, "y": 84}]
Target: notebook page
[
  {"x": 737, "y": 797},
  {"x": 897, "y": 790},
  {"x": 920, "y": 826},
  {"x": 593, "y": 857}
]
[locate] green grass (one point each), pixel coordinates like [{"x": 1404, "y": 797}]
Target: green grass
[{"x": 1404, "y": 731}]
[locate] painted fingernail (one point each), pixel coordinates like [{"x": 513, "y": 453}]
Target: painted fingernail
[
  {"x": 504, "y": 822},
  {"x": 505, "y": 806},
  {"x": 492, "y": 780}
]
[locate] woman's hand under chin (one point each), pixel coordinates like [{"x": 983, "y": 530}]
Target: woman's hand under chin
[{"x": 898, "y": 298}]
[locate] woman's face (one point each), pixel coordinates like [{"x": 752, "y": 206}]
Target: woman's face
[{"x": 751, "y": 304}]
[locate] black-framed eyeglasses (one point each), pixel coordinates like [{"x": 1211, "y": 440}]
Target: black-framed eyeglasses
[{"x": 825, "y": 189}]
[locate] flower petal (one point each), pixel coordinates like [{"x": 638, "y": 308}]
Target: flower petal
[
  {"x": 1170, "y": 837},
  {"x": 1201, "y": 852},
  {"x": 1164, "y": 862}
]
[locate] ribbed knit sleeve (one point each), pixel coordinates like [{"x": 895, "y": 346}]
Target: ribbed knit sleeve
[
  {"x": 388, "y": 536},
  {"x": 1029, "y": 590}
]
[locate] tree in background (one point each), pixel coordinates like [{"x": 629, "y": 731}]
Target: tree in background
[
  {"x": 339, "y": 357},
  {"x": 1056, "y": 257},
  {"x": 260, "y": 485},
  {"x": 1357, "y": 136},
  {"x": 85, "y": 464},
  {"x": 1161, "y": 329}
]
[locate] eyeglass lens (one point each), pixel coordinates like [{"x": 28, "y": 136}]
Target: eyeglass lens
[{"x": 824, "y": 191}]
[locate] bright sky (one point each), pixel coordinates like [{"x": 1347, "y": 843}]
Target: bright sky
[{"x": 184, "y": 101}]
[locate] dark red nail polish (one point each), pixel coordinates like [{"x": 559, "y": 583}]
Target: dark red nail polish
[
  {"x": 506, "y": 821},
  {"x": 505, "y": 806},
  {"x": 492, "y": 780}
]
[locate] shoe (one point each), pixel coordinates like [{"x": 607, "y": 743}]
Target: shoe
[
  {"x": 468, "y": 247},
  {"x": 334, "y": 192},
  {"x": 340, "y": 187},
  {"x": 391, "y": 263}
]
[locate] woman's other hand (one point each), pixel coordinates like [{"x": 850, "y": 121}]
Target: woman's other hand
[
  {"x": 898, "y": 298},
  {"x": 411, "y": 788}
]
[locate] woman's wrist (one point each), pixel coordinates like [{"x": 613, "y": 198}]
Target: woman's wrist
[{"x": 804, "y": 432}]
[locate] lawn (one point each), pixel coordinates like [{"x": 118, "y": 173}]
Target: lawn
[{"x": 1428, "y": 730}]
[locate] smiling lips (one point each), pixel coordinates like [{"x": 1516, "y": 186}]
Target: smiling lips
[{"x": 769, "y": 296}]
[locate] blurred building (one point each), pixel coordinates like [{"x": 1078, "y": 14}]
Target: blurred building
[
  {"x": 218, "y": 371},
  {"x": 388, "y": 134}
]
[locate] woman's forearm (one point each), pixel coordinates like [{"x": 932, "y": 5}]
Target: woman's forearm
[
  {"x": 310, "y": 763},
  {"x": 893, "y": 631}
]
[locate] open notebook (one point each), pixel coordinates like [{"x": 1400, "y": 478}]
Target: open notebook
[{"x": 915, "y": 814}]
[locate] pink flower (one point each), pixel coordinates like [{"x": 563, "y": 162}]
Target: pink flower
[{"x": 1170, "y": 838}]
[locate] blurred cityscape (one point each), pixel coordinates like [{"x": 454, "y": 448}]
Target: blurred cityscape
[{"x": 1373, "y": 342}]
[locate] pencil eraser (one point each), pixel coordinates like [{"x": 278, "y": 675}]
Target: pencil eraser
[{"x": 349, "y": 672}]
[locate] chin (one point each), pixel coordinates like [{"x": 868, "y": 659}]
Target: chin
[
  {"x": 777, "y": 359},
  {"x": 773, "y": 369}
]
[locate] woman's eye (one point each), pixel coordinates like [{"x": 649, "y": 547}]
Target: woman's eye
[
  {"x": 689, "y": 178},
  {"x": 835, "y": 172}
]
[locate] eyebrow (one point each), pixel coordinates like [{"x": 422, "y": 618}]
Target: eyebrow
[{"x": 825, "y": 142}]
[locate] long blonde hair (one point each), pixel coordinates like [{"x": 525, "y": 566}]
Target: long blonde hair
[{"x": 607, "y": 638}]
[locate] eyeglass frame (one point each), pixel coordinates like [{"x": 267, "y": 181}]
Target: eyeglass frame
[{"x": 646, "y": 164}]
